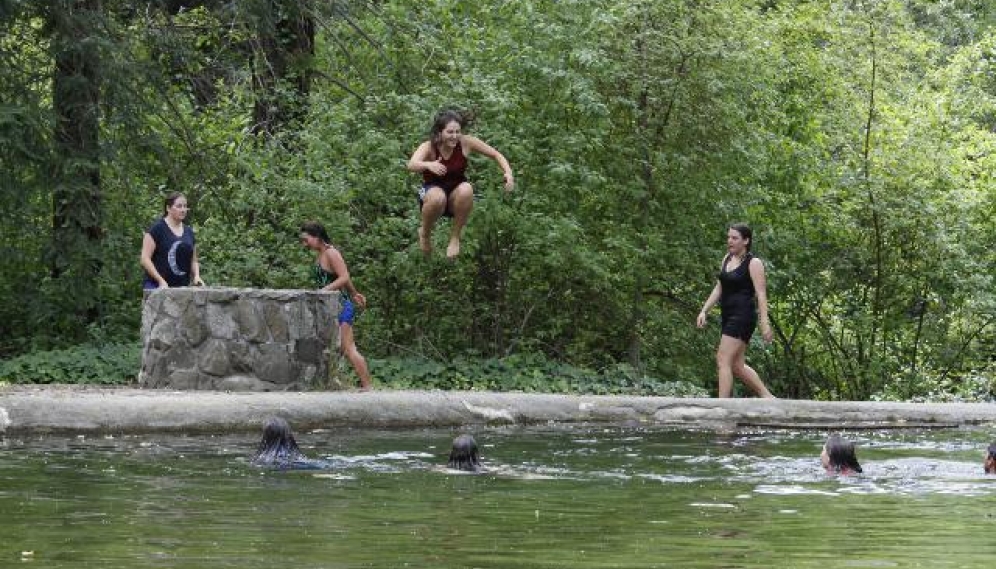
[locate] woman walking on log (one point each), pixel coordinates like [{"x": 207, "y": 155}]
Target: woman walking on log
[{"x": 741, "y": 292}]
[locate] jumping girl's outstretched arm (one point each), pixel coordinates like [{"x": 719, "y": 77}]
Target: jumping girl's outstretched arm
[{"x": 477, "y": 145}]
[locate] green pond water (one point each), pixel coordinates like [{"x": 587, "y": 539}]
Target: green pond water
[{"x": 577, "y": 497}]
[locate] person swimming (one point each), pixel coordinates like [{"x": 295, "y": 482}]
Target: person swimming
[
  {"x": 990, "y": 462},
  {"x": 278, "y": 448},
  {"x": 464, "y": 454},
  {"x": 838, "y": 456}
]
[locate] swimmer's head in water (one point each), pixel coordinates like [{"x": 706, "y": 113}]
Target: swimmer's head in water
[
  {"x": 990, "y": 463},
  {"x": 838, "y": 456},
  {"x": 277, "y": 447},
  {"x": 464, "y": 455}
]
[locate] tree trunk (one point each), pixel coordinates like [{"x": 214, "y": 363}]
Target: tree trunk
[
  {"x": 878, "y": 240},
  {"x": 76, "y": 209},
  {"x": 648, "y": 130},
  {"x": 283, "y": 69}
]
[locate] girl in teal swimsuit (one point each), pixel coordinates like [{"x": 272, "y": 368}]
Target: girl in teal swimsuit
[{"x": 332, "y": 275}]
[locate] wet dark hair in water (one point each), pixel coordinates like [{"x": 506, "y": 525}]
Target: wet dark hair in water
[
  {"x": 315, "y": 229},
  {"x": 841, "y": 454},
  {"x": 169, "y": 200},
  {"x": 463, "y": 455},
  {"x": 744, "y": 230},
  {"x": 990, "y": 464},
  {"x": 277, "y": 447},
  {"x": 445, "y": 117}
]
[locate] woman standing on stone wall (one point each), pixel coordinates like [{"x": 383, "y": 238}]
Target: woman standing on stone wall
[
  {"x": 331, "y": 275},
  {"x": 169, "y": 251}
]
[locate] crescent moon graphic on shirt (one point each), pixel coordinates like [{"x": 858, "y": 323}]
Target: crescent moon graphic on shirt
[{"x": 171, "y": 259}]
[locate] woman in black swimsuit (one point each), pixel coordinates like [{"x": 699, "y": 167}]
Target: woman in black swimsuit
[{"x": 741, "y": 282}]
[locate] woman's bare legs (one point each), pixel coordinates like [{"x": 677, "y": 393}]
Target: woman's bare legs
[
  {"x": 461, "y": 204},
  {"x": 726, "y": 354},
  {"x": 751, "y": 378},
  {"x": 730, "y": 362},
  {"x": 433, "y": 206},
  {"x": 353, "y": 355}
]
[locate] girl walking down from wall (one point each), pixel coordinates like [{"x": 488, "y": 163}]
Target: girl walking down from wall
[{"x": 331, "y": 275}]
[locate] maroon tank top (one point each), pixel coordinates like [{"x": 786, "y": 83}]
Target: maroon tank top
[{"x": 456, "y": 166}]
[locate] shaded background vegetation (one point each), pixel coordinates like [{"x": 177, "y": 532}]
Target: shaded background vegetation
[{"x": 856, "y": 137}]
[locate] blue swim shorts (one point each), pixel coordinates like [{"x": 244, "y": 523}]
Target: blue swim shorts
[{"x": 346, "y": 312}]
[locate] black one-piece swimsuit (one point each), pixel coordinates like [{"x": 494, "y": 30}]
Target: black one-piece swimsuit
[{"x": 736, "y": 301}]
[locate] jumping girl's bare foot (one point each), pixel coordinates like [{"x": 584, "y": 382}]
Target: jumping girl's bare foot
[
  {"x": 424, "y": 243},
  {"x": 453, "y": 249}
]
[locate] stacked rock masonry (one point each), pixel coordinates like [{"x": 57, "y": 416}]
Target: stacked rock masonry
[{"x": 238, "y": 339}]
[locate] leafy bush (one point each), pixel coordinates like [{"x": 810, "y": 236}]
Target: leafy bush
[
  {"x": 920, "y": 387},
  {"x": 110, "y": 364},
  {"x": 526, "y": 373}
]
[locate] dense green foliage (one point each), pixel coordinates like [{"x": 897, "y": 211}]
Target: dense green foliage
[
  {"x": 109, "y": 364},
  {"x": 525, "y": 373},
  {"x": 856, "y": 137},
  {"x": 116, "y": 364}
]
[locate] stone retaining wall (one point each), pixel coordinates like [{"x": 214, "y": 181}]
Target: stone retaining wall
[{"x": 233, "y": 339}]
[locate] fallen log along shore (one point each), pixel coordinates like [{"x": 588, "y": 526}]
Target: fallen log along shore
[{"x": 69, "y": 409}]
